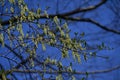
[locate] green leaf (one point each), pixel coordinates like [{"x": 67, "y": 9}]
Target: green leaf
[
  {"x": 12, "y": 9},
  {"x": 6, "y": 9},
  {"x": 62, "y": 33},
  {"x": 47, "y": 60},
  {"x": 64, "y": 53},
  {"x": 60, "y": 65},
  {"x": 59, "y": 77},
  {"x": 69, "y": 69},
  {"x": 2, "y": 39},
  {"x": 76, "y": 56},
  {"x": 43, "y": 46},
  {"x": 20, "y": 29},
  {"x": 11, "y": 1},
  {"x": 56, "y": 20},
  {"x": 38, "y": 11},
  {"x": 3, "y": 74},
  {"x": 73, "y": 78},
  {"x": 51, "y": 34},
  {"x": 65, "y": 26},
  {"x": 32, "y": 62},
  {"x": 46, "y": 14},
  {"x": 45, "y": 30}
]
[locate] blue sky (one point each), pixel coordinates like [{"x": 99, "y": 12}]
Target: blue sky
[{"x": 93, "y": 35}]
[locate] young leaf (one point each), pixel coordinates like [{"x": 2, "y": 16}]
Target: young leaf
[
  {"x": 38, "y": 11},
  {"x": 12, "y": 9},
  {"x": 11, "y": 1},
  {"x": 1, "y": 39},
  {"x": 43, "y": 46},
  {"x": 56, "y": 20},
  {"x": 73, "y": 78},
  {"x": 59, "y": 77},
  {"x": 46, "y": 14}
]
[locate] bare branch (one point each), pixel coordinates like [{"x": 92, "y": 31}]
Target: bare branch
[
  {"x": 78, "y": 10},
  {"x": 55, "y": 72},
  {"x": 15, "y": 53},
  {"x": 93, "y": 22}
]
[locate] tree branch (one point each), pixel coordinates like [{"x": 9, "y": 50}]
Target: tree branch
[
  {"x": 85, "y": 20},
  {"x": 93, "y": 22},
  {"x": 73, "y": 72},
  {"x": 65, "y": 16},
  {"x": 15, "y": 53},
  {"x": 78, "y": 10}
]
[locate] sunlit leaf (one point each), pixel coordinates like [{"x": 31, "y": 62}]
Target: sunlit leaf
[
  {"x": 2, "y": 39},
  {"x": 59, "y": 77},
  {"x": 12, "y": 9},
  {"x": 64, "y": 53},
  {"x": 43, "y": 46},
  {"x": 69, "y": 69},
  {"x": 73, "y": 78},
  {"x": 46, "y": 14},
  {"x": 11, "y": 1},
  {"x": 38, "y": 11},
  {"x": 56, "y": 20}
]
